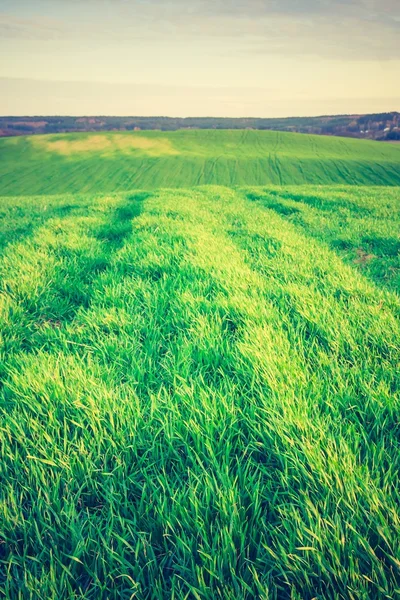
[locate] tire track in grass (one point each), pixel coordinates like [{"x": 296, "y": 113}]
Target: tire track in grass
[
  {"x": 278, "y": 170},
  {"x": 46, "y": 279},
  {"x": 345, "y": 220}
]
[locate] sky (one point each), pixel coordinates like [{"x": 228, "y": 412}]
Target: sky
[{"x": 235, "y": 58}]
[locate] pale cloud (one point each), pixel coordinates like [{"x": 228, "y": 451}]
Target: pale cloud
[
  {"x": 362, "y": 29},
  {"x": 34, "y": 28}
]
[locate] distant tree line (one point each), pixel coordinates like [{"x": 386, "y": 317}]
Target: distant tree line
[{"x": 383, "y": 126}]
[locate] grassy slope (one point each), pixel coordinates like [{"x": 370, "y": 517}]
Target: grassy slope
[
  {"x": 105, "y": 162},
  {"x": 199, "y": 395}
]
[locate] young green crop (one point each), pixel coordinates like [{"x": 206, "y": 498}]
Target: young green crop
[
  {"x": 112, "y": 162},
  {"x": 200, "y": 396},
  {"x": 362, "y": 226}
]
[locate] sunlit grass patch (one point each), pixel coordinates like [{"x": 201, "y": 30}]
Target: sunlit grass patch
[{"x": 103, "y": 145}]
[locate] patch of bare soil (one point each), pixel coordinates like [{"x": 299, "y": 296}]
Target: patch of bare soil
[{"x": 363, "y": 258}]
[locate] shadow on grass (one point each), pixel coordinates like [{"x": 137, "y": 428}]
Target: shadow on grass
[
  {"x": 79, "y": 270},
  {"x": 72, "y": 282},
  {"x": 114, "y": 232},
  {"x": 374, "y": 256}
]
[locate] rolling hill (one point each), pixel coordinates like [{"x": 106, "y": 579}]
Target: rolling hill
[
  {"x": 111, "y": 162},
  {"x": 199, "y": 386}
]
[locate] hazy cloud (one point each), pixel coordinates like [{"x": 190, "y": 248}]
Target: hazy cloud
[
  {"x": 34, "y": 28},
  {"x": 354, "y": 29}
]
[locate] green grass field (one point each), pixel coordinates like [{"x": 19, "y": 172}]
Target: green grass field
[
  {"x": 199, "y": 386},
  {"x": 108, "y": 163}
]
